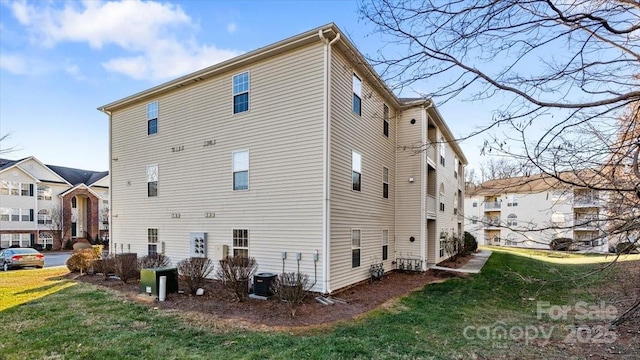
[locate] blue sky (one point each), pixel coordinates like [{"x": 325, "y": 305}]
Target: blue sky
[{"x": 60, "y": 60}]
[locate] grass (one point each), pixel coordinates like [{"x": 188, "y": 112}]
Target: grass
[
  {"x": 21, "y": 286},
  {"x": 564, "y": 257},
  {"x": 82, "y": 322}
]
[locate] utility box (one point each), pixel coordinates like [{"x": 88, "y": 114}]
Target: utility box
[
  {"x": 198, "y": 244},
  {"x": 220, "y": 251},
  {"x": 150, "y": 280},
  {"x": 262, "y": 283}
]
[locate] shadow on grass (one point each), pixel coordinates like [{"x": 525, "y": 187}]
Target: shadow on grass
[{"x": 43, "y": 288}]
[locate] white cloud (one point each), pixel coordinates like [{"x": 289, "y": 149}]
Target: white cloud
[
  {"x": 159, "y": 35},
  {"x": 15, "y": 64},
  {"x": 232, "y": 27}
]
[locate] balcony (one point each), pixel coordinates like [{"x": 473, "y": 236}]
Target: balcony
[
  {"x": 431, "y": 207},
  {"x": 586, "y": 202},
  {"x": 495, "y": 205},
  {"x": 586, "y": 221},
  {"x": 431, "y": 154},
  {"x": 491, "y": 222}
]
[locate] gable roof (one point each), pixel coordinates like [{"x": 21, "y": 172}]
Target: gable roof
[{"x": 72, "y": 176}]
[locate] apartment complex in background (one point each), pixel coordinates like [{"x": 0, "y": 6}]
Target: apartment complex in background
[
  {"x": 532, "y": 211},
  {"x": 296, "y": 154},
  {"x": 30, "y": 193}
]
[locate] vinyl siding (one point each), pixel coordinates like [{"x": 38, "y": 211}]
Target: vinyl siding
[
  {"x": 409, "y": 165},
  {"x": 366, "y": 210},
  {"x": 282, "y": 131}
]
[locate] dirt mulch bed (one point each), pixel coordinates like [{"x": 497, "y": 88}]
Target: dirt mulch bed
[
  {"x": 218, "y": 308},
  {"x": 459, "y": 262}
]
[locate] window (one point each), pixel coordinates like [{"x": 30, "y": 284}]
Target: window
[
  {"x": 385, "y": 183},
  {"x": 152, "y": 240},
  {"x": 474, "y": 220},
  {"x": 510, "y": 240},
  {"x": 475, "y": 204},
  {"x": 356, "y": 171},
  {"x": 152, "y": 181},
  {"x": 442, "y": 152},
  {"x": 241, "y": 170},
  {"x": 441, "y": 196},
  {"x": 4, "y": 214},
  {"x": 74, "y": 203},
  {"x": 45, "y": 239},
  {"x": 357, "y": 95},
  {"x": 512, "y": 201},
  {"x": 241, "y": 242},
  {"x": 385, "y": 120},
  {"x": 455, "y": 168},
  {"x": 441, "y": 206},
  {"x": 43, "y": 217},
  {"x": 27, "y": 215},
  {"x": 24, "y": 190},
  {"x": 443, "y": 240},
  {"x": 152, "y": 118},
  {"x": 15, "y": 214},
  {"x": 241, "y": 92},
  {"x": 44, "y": 192},
  {"x": 4, "y": 188},
  {"x": 385, "y": 244},
  {"x": 355, "y": 248},
  {"x": 512, "y": 220},
  {"x": 15, "y": 188}
]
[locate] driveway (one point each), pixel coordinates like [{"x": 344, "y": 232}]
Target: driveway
[{"x": 55, "y": 259}]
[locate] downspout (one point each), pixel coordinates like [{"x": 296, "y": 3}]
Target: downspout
[
  {"x": 423, "y": 191},
  {"x": 326, "y": 162},
  {"x": 111, "y": 246}
]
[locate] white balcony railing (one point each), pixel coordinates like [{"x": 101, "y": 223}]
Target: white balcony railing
[
  {"x": 586, "y": 201},
  {"x": 431, "y": 206},
  {"x": 492, "y": 205},
  {"x": 491, "y": 221}
]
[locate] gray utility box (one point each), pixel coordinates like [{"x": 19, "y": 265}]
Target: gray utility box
[{"x": 150, "y": 280}]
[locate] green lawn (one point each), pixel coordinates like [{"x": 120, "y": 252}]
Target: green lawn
[{"x": 82, "y": 322}]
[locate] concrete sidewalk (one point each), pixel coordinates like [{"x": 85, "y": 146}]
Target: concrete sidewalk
[{"x": 473, "y": 266}]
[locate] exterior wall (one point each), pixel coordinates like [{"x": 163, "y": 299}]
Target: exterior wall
[
  {"x": 366, "y": 210},
  {"x": 282, "y": 131},
  {"x": 409, "y": 164}
]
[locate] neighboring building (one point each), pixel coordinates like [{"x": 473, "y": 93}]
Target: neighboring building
[
  {"x": 296, "y": 154},
  {"x": 31, "y": 191},
  {"x": 531, "y": 211}
]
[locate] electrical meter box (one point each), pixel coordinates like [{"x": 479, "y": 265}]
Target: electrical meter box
[{"x": 150, "y": 280}]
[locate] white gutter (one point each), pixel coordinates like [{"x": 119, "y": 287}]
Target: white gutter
[
  {"x": 423, "y": 190},
  {"x": 326, "y": 162}
]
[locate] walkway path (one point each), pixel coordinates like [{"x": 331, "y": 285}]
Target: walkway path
[{"x": 473, "y": 266}]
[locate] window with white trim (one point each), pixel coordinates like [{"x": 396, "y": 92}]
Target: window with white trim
[
  {"x": 74, "y": 203},
  {"x": 474, "y": 220},
  {"x": 385, "y": 183},
  {"x": 356, "y": 171},
  {"x": 512, "y": 201},
  {"x": 510, "y": 240},
  {"x": 24, "y": 189},
  {"x": 26, "y": 214},
  {"x": 152, "y": 118},
  {"x": 241, "y": 92},
  {"x": 4, "y": 187},
  {"x": 385, "y": 120},
  {"x": 443, "y": 151},
  {"x": 355, "y": 248},
  {"x": 44, "y": 192},
  {"x": 441, "y": 196},
  {"x": 241, "y": 243},
  {"x": 15, "y": 188},
  {"x": 241, "y": 170},
  {"x": 442, "y": 243},
  {"x": 15, "y": 214},
  {"x": 385, "y": 244},
  {"x": 44, "y": 217},
  {"x": 5, "y": 214},
  {"x": 152, "y": 181},
  {"x": 357, "y": 95},
  {"x": 456, "y": 164},
  {"x": 45, "y": 239},
  {"x": 152, "y": 241},
  {"x": 475, "y": 203},
  {"x": 512, "y": 220}
]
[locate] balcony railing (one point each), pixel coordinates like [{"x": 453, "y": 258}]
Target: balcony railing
[
  {"x": 492, "y": 205},
  {"x": 491, "y": 221},
  {"x": 586, "y": 221},
  {"x": 586, "y": 201},
  {"x": 431, "y": 152},
  {"x": 431, "y": 207}
]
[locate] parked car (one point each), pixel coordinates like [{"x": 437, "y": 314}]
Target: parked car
[{"x": 20, "y": 257}]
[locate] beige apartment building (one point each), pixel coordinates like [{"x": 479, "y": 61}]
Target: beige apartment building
[{"x": 296, "y": 154}]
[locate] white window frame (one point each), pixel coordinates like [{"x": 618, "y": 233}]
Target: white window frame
[
  {"x": 152, "y": 240},
  {"x": 236, "y": 236},
  {"x": 15, "y": 188},
  {"x": 443, "y": 152},
  {"x": 356, "y": 167},
  {"x": 5, "y": 214},
  {"x": 385, "y": 119},
  {"x": 512, "y": 201},
  {"x": 356, "y": 88},
  {"x": 357, "y": 246},
  {"x": 153, "y": 175},
  {"x": 442, "y": 243},
  {"x": 5, "y": 187},
  {"x": 23, "y": 213},
  {"x": 44, "y": 238},
  {"x": 153, "y": 115},
  {"x": 44, "y": 192},
  {"x": 385, "y": 181},
  {"x": 15, "y": 212},
  {"x": 512, "y": 220},
  {"x": 234, "y": 93},
  {"x": 385, "y": 242},
  {"x": 44, "y": 216},
  {"x": 240, "y": 169}
]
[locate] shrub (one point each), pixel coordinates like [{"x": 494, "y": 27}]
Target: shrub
[
  {"x": 97, "y": 250},
  {"x": 292, "y": 288},
  {"x": 49, "y": 247},
  {"x": 80, "y": 260},
  {"x": 193, "y": 272},
  {"x": 561, "y": 244},
  {"x": 470, "y": 243},
  {"x": 453, "y": 246},
  {"x": 126, "y": 266},
  {"x": 626, "y": 247},
  {"x": 37, "y": 247},
  {"x": 235, "y": 272},
  {"x": 104, "y": 266},
  {"x": 154, "y": 261}
]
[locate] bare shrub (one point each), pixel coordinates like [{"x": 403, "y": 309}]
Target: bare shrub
[
  {"x": 154, "y": 261},
  {"x": 291, "y": 287},
  {"x": 235, "y": 272},
  {"x": 193, "y": 272},
  {"x": 80, "y": 260},
  {"x": 453, "y": 246},
  {"x": 104, "y": 266},
  {"x": 126, "y": 266}
]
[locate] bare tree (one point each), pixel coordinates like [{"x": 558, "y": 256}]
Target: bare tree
[
  {"x": 566, "y": 75},
  {"x": 3, "y": 142},
  {"x": 58, "y": 216}
]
